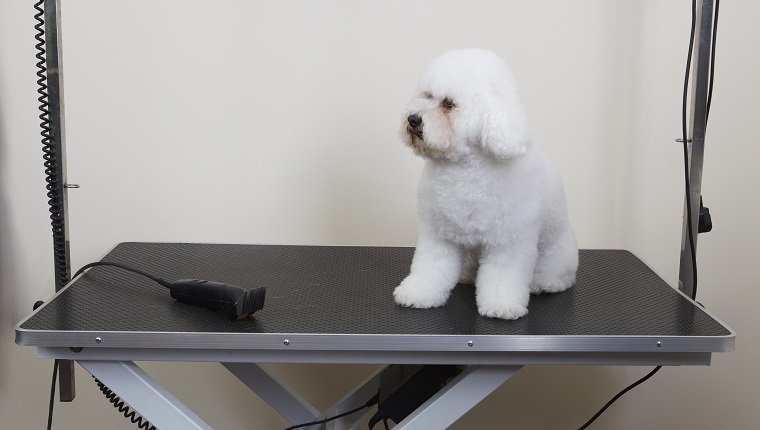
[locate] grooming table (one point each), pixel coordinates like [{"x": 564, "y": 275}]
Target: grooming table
[{"x": 334, "y": 304}]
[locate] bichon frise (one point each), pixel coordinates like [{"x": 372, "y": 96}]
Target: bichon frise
[{"x": 491, "y": 206}]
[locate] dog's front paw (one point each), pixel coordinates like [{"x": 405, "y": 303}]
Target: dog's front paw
[
  {"x": 418, "y": 292},
  {"x": 550, "y": 286},
  {"x": 507, "y": 311},
  {"x": 502, "y": 297},
  {"x": 497, "y": 303}
]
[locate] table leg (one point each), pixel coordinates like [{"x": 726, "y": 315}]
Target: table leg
[
  {"x": 145, "y": 395},
  {"x": 281, "y": 398}
]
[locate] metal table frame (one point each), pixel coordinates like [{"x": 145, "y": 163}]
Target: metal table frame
[
  {"x": 165, "y": 411},
  {"x": 484, "y": 373}
]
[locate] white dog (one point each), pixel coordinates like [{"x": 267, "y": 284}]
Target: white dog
[{"x": 491, "y": 206}]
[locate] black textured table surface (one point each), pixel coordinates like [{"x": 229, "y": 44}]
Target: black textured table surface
[{"x": 348, "y": 290}]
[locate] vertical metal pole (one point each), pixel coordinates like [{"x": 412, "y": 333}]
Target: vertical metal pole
[
  {"x": 55, "y": 100},
  {"x": 696, "y": 130}
]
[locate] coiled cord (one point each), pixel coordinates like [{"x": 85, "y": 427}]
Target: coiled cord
[
  {"x": 54, "y": 189},
  {"x": 55, "y": 201},
  {"x": 123, "y": 408}
]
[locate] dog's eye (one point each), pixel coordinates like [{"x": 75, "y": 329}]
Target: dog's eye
[
  {"x": 427, "y": 95},
  {"x": 447, "y": 103}
]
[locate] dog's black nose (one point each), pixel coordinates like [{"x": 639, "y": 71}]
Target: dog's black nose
[{"x": 414, "y": 120}]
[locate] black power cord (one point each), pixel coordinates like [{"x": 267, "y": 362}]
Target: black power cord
[
  {"x": 234, "y": 301},
  {"x": 687, "y": 182},
  {"x": 165, "y": 283},
  {"x": 685, "y": 142},
  {"x": 619, "y": 395},
  {"x": 52, "y": 395},
  {"x": 712, "y": 60},
  {"x": 56, "y": 363},
  {"x": 369, "y": 404}
]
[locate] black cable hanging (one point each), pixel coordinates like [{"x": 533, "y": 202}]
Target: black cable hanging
[{"x": 686, "y": 175}]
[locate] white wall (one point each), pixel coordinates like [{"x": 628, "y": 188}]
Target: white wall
[{"x": 275, "y": 122}]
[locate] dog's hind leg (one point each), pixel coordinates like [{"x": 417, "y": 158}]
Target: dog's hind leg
[
  {"x": 556, "y": 265},
  {"x": 436, "y": 267}
]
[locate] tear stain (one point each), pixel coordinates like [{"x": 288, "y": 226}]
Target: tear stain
[{"x": 422, "y": 150}]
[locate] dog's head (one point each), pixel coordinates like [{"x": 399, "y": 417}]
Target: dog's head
[{"x": 467, "y": 104}]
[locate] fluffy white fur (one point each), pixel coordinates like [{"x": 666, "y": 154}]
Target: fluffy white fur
[{"x": 491, "y": 206}]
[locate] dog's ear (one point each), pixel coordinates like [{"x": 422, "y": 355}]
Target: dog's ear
[{"x": 505, "y": 130}]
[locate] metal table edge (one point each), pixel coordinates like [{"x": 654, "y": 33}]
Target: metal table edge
[{"x": 303, "y": 342}]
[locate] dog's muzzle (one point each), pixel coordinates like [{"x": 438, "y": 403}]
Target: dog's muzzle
[{"x": 415, "y": 125}]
